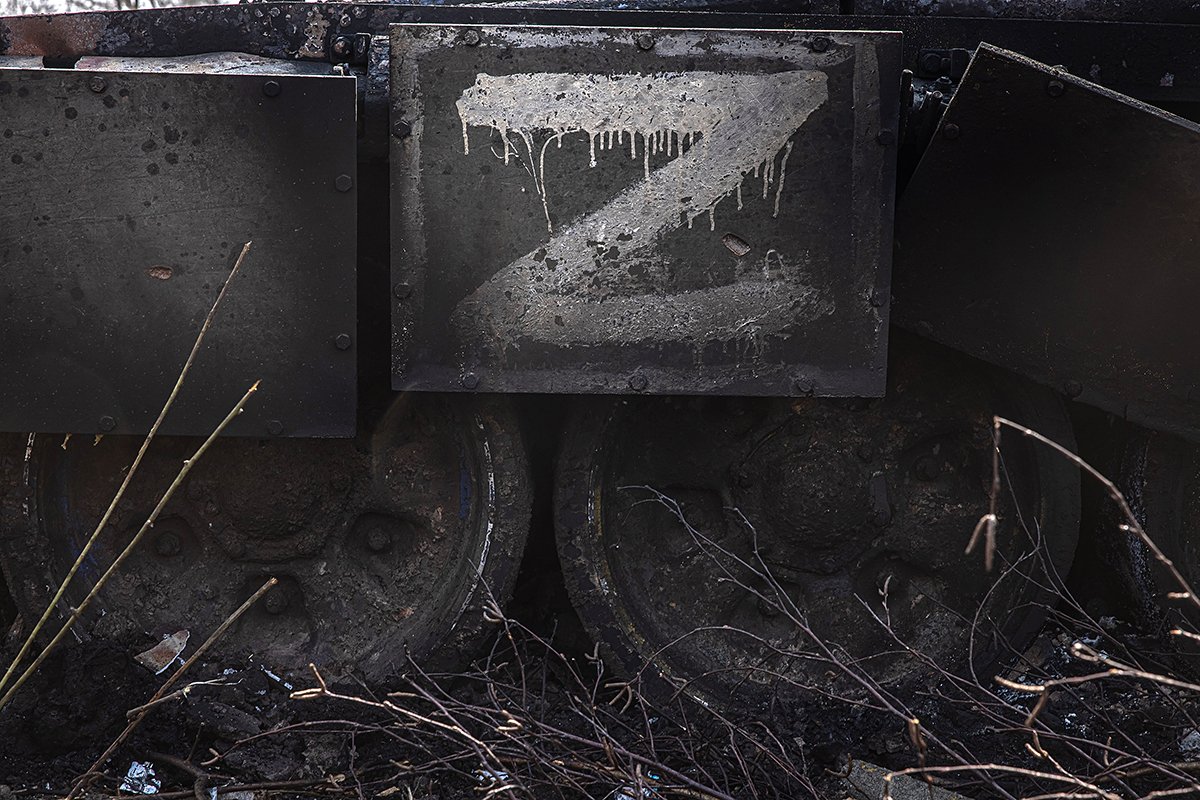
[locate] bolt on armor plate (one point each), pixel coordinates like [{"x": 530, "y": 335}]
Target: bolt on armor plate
[
  {"x": 127, "y": 196},
  {"x": 564, "y": 202}
]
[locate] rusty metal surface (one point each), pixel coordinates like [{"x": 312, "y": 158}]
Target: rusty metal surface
[
  {"x": 1132, "y": 56},
  {"x": 1051, "y": 229},
  {"x": 125, "y": 198},
  {"x": 664, "y": 211}
]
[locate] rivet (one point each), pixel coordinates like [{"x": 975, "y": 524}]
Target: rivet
[
  {"x": 1055, "y": 88},
  {"x": 342, "y": 341},
  {"x": 950, "y": 131},
  {"x": 470, "y": 380},
  {"x": 274, "y": 427},
  {"x": 272, "y": 88},
  {"x": 471, "y": 38},
  {"x": 402, "y": 290},
  {"x": 343, "y": 183},
  {"x": 401, "y": 129},
  {"x": 637, "y": 382},
  {"x": 885, "y": 137},
  {"x": 97, "y": 84},
  {"x": 645, "y": 41},
  {"x": 107, "y": 423},
  {"x": 804, "y": 385}
]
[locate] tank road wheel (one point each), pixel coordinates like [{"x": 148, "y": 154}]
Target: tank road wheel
[
  {"x": 382, "y": 544},
  {"x": 849, "y": 500}
]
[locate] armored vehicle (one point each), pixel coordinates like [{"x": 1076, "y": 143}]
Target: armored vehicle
[{"x": 737, "y": 288}]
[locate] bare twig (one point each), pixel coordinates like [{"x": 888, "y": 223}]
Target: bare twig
[
  {"x": 137, "y": 461},
  {"x": 147, "y": 525}
]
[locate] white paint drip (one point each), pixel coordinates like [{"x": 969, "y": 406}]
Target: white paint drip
[
  {"x": 719, "y": 128},
  {"x": 607, "y": 108}
]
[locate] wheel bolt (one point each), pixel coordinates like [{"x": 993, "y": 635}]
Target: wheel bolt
[
  {"x": 276, "y": 601},
  {"x": 167, "y": 544},
  {"x": 928, "y": 469},
  {"x": 379, "y": 540}
]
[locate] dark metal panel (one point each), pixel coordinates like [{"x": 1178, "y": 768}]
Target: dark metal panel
[
  {"x": 1112, "y": 10},
  {"x": 1051, "y": 228},
  {"x": 1155, "y": 62},
  {"x": 669, "y": 211},
  {"x": 125, "y": 198}
]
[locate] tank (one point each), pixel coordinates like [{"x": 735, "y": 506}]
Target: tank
[{"x": 701, "y": 312}]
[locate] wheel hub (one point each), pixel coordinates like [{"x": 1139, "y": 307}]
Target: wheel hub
[{"x": 378, "y": 543}]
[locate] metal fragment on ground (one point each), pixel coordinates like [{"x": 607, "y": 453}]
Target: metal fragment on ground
[{"x": 163, "y": 654}]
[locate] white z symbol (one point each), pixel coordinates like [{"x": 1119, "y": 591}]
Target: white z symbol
[{"x": 723, "y": 128}]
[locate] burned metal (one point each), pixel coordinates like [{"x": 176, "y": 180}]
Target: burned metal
[
  {"x": 1051, "y": 229},
  {"x": 849, "y": 504},
  {"x": 400, "y": 530},
  {"x": 442, "y": 200},
  {"x": 578, "y": 190},
  {"x": 123, "y": 207}
]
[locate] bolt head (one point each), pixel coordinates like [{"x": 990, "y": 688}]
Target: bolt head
[
  {"x": 97, "y": 84},
  {"x": 878, "y": 299},
  {"x": 274, "y": 427},
  {"x": 342, "y": 341},
  {"x": 402, "y": 290},
  {"x": 107, "y": 423},
  {"x": 379, "y": 540},
  {"x": 272, "y": 88},
  {"x": 638, "y": 382},
  {"x": 471, "y": 38},
  {"x": 1055, "y": 88},
  {"x": 470, "y": 380},
  {"x": 343, "y": 183},
  {"x": 167, "y": 544},
  {"x": 950, "y": 131},
  {"x": 804, "y": 385},
  {"x": 885, "y": 137},
  {"x": 401, "y": 129},
  {"x": 645, "y": 41},
  {"x": 821, "y": 44},
  {"x": 276, "y": 601},
  {"x": 342, "y": 47},
  {"x": 1073, "y": 389},
  {"x": 931, "y": 62}
]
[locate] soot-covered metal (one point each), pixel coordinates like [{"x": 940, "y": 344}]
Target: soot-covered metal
[
  {"x": 665, "y": 211},
  {"x": 1051, "y": 229},
  {"x": 127, "y": 196}
]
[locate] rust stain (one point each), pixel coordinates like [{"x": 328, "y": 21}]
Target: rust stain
[
  {"x": 57, "y": 36},
  {"x": 160, "y": 272}
]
